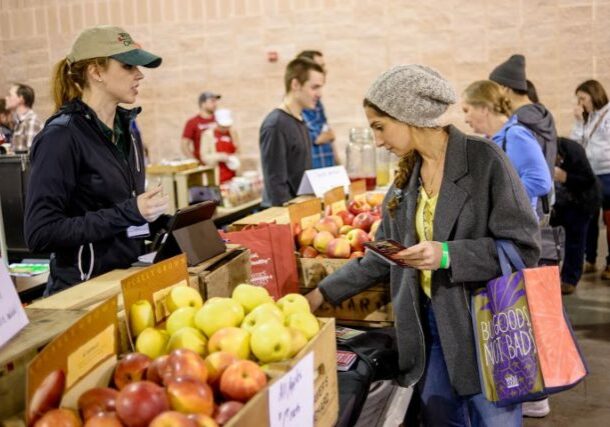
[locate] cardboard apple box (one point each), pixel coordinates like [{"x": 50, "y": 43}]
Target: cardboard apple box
[
  {"x": 153, "y": 284},
  {"x": 86, "y": 352}
]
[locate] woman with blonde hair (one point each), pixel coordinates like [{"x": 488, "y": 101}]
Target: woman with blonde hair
[
  {"x": 488, "y": 112},
  {"x": 452, "y": 197},
  {"x": 86, "y": 201}
]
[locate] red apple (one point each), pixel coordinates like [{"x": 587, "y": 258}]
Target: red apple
[
  {"x": 226, "y": 411},
  {"x": 242, "y": 380},
  {"x": 308, "y": 252},
  {"x": 187, "y": 395},
  {"x": 140, "y": 402},
  {"x": 356, "y": 254},
  {"x": 104, "y": 419},
  {"x": 363, "y": 221},
  {"x": 59, "y": 418},
  {"x": 172, "y": 419},
  {"x": 306, "y": 236},
  {"x": 327, "y": 224},
  {"x": 47, "y": 395},
  {"x": 356, "y": 207},
  {"x": 356, "y": 238},
  {"x": 346, "y": 216},
  {"x": 216, "y": 363},
  {"x": 184, "y": 363},
  {"x": 131, "y": 368},
  {"x": 155, "y": 369},
  {"x": 338, "y": 248},
  {"x": 203, "y": 420},
  {"x": 321, "y": 241},
  {"x": 96, "y": 400}
]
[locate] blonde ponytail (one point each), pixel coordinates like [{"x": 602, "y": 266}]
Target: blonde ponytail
[{"x": 69, "y": 80}]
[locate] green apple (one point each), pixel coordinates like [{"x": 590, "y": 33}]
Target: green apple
[
  {"x": 183, "y": 296},
  {"x": 232, "y": 340},
  {"x": 189, "y": 338},
  {"x": 250, "y": 296},
  {"x": 218, "y": 313},
  {"x": 271, "y": 342},
  {"x": 263, "y": 313},
  {"x": 304, "y": 322},
  {"x": 293, "y": 303},
  {"x": 152, "y": 342},
  {"x": 298, "y": 341},
  {"x": 184, "y": 316},
  {"x": 141, "y": 316}
]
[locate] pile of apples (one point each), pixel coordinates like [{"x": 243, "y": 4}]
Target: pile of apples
[
  {"x": 199, "y": 371},
  {"x": 342, "y": 235}
]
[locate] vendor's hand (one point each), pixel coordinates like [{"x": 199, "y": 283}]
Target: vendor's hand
[
  {"x": 560, "y": 175},
  {"x": 315, "y": 299},
  {"x": 152, "y": 204},
  {"x": 423, "y": 256},
  {"x": 578, "y": 112}
]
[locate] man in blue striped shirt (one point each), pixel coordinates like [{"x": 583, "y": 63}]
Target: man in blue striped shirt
[{"x": 322, "y": 136}]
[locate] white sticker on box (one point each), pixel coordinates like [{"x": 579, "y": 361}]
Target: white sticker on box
[{"x": 291, "y": 397}]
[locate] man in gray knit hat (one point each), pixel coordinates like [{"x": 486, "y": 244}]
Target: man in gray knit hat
[{"x": 452, "y": 197}]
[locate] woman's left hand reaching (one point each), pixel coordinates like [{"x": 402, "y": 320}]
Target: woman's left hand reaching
[{"x": 422, "y": 256}]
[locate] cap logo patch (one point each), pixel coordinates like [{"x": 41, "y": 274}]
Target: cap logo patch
[{"x": 125, "y": 39}]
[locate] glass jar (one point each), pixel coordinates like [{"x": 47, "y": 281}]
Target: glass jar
[
  {"x": 383, "y": 167},
  {"x": 360, "y": 157}
]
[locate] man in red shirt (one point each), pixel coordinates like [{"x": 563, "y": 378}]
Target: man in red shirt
[{"x": 195, "y": 126}]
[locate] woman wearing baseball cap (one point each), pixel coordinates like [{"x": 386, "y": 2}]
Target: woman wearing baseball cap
[
  {"x": 452, "y": 197},
  {"x": 86, "y": 201}
]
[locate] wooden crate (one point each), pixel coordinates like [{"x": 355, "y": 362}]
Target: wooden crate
[
  {"x": 219, "y": 279},
  {"x": 372, "y": 307},
  {"x": 45, "y": 324}
]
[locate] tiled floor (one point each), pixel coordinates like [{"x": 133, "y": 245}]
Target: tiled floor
[{"x": 588, "y": 404}]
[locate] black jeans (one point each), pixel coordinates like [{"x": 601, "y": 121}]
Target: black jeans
[
  {"x": 593, "y": 231},
  {"x": 575, "y": 223}
]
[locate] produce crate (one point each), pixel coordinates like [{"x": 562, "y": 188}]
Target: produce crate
[{"x": 371, "y": 308}]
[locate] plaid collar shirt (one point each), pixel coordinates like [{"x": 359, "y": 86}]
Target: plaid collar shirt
[{"x": 26, "y": 128}]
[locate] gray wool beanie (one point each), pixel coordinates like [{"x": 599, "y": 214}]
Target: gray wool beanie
[
  {"x": 413, "y": 94},
  {"x": 511, "y": 73}
]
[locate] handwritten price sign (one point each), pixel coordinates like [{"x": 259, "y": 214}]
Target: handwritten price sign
[{"x": 291, "y": 397}]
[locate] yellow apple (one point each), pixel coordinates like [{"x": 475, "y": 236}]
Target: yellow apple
[
  {"x": 141, "y": 316},
  {"x": 218, "y": 313},
  {"x": 184, "y": 316},
  {"x": 263, "y": 313},
  {"x": 152, "y": 342},
  {"x": 232, "y": 340},
  {"x": 297, "y": 340},
  {"x": 250, "y": 296},
  {"x": 304, "y": 322},
  {"x": 271, "y": 342},
  {"x": 293, "y": 303},
  {"x": 189, "y": 338},
  {"x": 183, "y": 296}
]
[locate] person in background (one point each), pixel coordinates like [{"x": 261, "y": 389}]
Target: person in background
[
  {"x": 284, "y": 140},
  {"x": 488, "y": 112},
  {"x": 197, "y": 125},
  {"x": 323, "y": 151},
  {"x": 511, "y": 76},
  {"x": 19, "y": 101},
  {"x": 592, "y": 130},
  {"x": 5, "y": 124},
  {"x": 577, "y": 200},
  {"x": 452, "y": 197},
  {"x": 220, "y": 144},
  {"x": 86, "y": 201}
]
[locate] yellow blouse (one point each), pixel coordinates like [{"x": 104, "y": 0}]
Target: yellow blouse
[{"x": 424, "y": 226}]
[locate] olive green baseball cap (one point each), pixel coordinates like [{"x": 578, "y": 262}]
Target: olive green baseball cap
[{"x": 114, "y": 42}]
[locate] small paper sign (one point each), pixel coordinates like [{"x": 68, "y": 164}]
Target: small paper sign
[
  {"x": 12, "y": 314},
  {"x": 291, "y": 397},
  {"x": 319, "y": 181}
]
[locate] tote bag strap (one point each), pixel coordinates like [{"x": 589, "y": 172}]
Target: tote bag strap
[{"x": 508, "y": 257}]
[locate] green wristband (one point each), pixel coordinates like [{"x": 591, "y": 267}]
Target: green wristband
[{"x": 445, "y": 256}]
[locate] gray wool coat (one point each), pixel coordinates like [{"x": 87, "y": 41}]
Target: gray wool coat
[{"x": 481, "y": 199}]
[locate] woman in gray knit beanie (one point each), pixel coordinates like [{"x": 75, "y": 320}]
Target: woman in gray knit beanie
[{"x": 452, "y": 197}]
